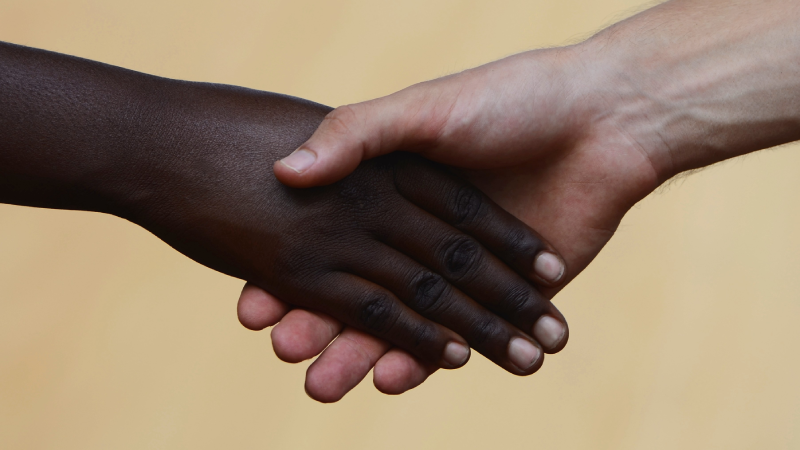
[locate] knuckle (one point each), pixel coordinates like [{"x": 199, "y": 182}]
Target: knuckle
[
  {"x": 517, "y": 300},
  {"x": 429, "y": 289},
  {"x": 461, "y": 255},
  {"x": 340, "y": 119},
  {"x": 424, "y": 336},
  {"x": 467, "y": 204},
  {"x": 377, "y": 313},
  {"x": 520, "y": 241},
  {"x": 487, "y": 330}
]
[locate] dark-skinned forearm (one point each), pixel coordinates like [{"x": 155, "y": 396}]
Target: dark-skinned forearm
[
  {"x": 78, "y": 134},
  {"x": 67, "y": 127}
]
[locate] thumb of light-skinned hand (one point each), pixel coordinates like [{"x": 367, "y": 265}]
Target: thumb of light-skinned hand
[{"x": 352, "y": 133}]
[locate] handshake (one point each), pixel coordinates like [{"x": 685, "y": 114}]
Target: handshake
[{"x": 401, "y": 232}]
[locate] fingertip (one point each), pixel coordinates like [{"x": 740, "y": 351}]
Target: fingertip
[
  {"x": 329, "y": 167},
  {"x": 302, "y": 335},
  {"x": 298, "y": 169},
  {"x": 319, "y": 387},
  {"x": 258, "y": 309},
  {"x": 300, "y": 160},
  {"x": 289, "y": 177},
  {"x": 525, "y": 355},
  {"x": 397, "y": 372},
  {"x": 343, "y": 365},
  {"x": 560, "y": 346},
  {"x": 348, "y": 135},
  {"x": 456, "y": 354},
  {"x": 556, "y": 316},
  {"x": 549, "y": 268}
]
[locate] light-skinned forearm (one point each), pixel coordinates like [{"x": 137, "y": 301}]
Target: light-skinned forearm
[{"x": 697, "y": 82}]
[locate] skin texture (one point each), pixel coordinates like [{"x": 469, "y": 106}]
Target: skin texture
[
  {"x": 400, "y": 249},
  {"x": 570, "y": 138}
]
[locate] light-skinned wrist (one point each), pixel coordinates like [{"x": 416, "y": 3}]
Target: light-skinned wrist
[{"x": 692, "y": 92}]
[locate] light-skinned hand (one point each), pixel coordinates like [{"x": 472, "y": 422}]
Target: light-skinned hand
[{"x": 566, "y": 139}]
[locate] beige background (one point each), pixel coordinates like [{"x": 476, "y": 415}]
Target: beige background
[{"x": 684, "y": 331}]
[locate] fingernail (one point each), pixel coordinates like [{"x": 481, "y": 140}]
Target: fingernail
[
  {"x": 549, "y": 331},
  {"x": 300, "y": 160},
  {"x": 522, "y": 353},
  {"x": 549, "y": 267},
  {"x": 456, "y": 354}
]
